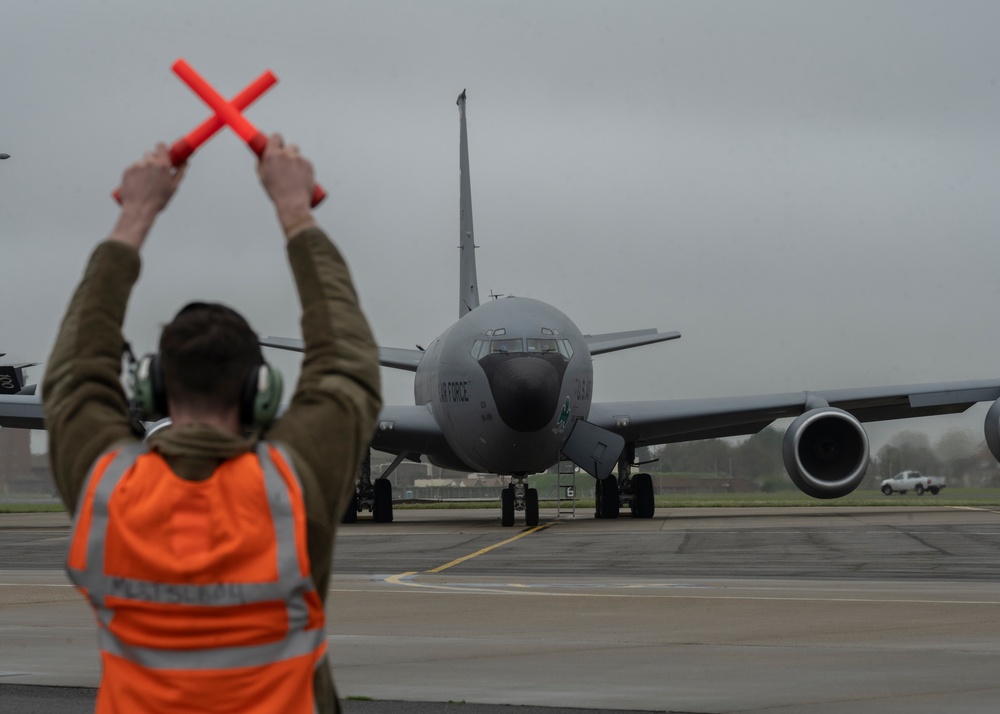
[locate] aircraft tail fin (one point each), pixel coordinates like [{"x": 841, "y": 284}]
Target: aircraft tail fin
[{"x": 468, "y": 283}]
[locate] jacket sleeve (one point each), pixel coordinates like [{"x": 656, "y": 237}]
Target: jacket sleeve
[
  {"x": 85, "y": 407},
  {"x": 332, "y": 414}
]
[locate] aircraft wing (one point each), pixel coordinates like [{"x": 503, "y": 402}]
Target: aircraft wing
[
  {"x": 614, "y": 341},
  {"x": 21, "y": 412},
  {"x": 669, "y": 421},
  {"x": 394, "y": 357}
]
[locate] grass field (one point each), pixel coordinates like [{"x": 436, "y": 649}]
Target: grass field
[{"x": 14, "y": 507}]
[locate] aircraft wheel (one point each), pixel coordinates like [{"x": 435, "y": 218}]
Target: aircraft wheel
[
  {"x": 507, "y": 507},
  {"x": 608, "y": 497},
  {"x": 382, "y": 507},
  {"x": 531, "y": 507},
  {"x": 643, "y": 504},
  {"x": 351, "y": 514}
]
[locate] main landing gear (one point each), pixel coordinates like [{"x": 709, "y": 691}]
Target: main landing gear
[
  {"x": 374, "y": 496},
  {"x": 626, "y": 490},
  {"x": 518, "y": 497}
]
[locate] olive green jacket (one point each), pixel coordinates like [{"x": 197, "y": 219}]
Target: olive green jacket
[{"x": 325, "y": 430}]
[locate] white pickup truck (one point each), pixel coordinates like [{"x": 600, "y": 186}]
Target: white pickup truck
[{"x": 912, "y": 481}]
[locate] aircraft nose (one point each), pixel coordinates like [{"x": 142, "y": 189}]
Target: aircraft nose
[{"x": 526, "y": 392}]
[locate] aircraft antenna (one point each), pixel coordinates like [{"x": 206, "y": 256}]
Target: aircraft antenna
[{"x": 468, "y": 283}]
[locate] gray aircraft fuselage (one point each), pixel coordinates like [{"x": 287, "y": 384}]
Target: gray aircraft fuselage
[{"x": 504, "y": 383}]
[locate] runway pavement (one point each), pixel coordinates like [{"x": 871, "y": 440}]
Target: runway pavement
[{"x": 811, "y": 610}]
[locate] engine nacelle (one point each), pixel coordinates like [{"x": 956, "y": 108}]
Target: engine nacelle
[
  {"x": 826, "y": 452},
  {"x": 992, "y": 429}
]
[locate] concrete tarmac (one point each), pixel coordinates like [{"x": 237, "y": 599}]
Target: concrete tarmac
[{"x": 812, "y": 610}]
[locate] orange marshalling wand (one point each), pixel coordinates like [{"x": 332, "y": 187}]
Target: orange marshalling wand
[
  {"x": 228, "y": 113},
  {"x": 181, "y": 149}
]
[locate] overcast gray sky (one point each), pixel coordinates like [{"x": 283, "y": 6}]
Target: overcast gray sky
[{"x": 807, "y": 191}]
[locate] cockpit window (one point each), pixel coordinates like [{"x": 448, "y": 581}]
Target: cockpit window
[
  {"x": 514, "y": 345},
  {"x": 507, "y": 346},
  {"x": 536, "y": 345},
  {"x": 479, "y": 349}
]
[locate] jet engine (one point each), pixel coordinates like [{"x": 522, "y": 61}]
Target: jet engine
[
  {"x": 826, "y": 452},
  {"x": 992, "y": 429}
]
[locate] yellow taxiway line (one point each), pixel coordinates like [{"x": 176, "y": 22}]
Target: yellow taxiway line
[{"x": 400, "y": 579}]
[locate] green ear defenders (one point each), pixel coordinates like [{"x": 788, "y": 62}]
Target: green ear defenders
[
  {"x": 261, "y": 397},
  {"x": 259, "y": 400},
  {"x": 148, "y": 395}
]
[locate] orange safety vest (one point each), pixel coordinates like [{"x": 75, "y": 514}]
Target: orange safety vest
[{"x": 202, "y": 589}]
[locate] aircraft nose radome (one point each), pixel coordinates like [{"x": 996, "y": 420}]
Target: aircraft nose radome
[{"x": 526, "y": 392}]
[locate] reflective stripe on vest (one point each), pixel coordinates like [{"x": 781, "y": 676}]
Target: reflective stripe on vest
[{"x": 304, "y": 633}]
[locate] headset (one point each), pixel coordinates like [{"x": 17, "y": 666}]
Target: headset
[{"x": 259, "y": 399}]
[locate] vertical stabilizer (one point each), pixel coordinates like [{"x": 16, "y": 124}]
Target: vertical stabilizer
[{"x": 468, "y": 283}]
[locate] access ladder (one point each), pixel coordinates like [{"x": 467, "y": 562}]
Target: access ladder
[{"x": 566, "y": 489}]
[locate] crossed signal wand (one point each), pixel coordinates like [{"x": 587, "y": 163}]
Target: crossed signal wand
[{"x": 226, "y": 112}]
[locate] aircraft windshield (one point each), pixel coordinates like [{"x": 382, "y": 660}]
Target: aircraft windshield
[
  {"x": 507, "y": 346},
  {"x": 535, "y": 345},
  {"x": 515, "y": 345}
]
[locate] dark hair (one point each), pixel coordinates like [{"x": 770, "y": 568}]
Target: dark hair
[{"x": 206, "y": 352}]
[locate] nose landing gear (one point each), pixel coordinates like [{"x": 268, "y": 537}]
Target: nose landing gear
[{"x": 518, "y": 497}]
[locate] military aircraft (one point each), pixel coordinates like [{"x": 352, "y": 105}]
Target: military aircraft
[{"x": 507, "y": 390}]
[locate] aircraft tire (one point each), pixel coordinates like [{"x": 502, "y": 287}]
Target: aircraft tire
[
  {"x": 351, "y": 514},
  {"x": 376, "y": 504},
  {"x": 608, "y": 497},
  {"x": 643, "y": 504},
  {"x": 531, "y": 507},
  {"x": 507, "y": 507},
  {"x": 382, "y": 507}
]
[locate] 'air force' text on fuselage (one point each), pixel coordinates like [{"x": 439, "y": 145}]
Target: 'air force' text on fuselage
[{"x": 497, "y": 382}]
